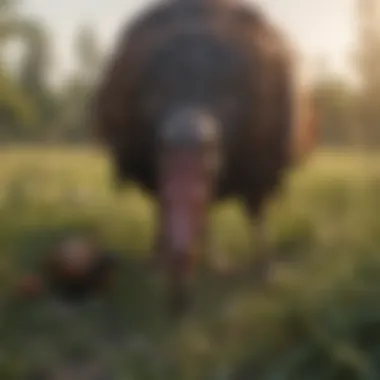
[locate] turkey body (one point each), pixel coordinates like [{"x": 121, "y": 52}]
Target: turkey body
[
  {"x": 223, "y": 57},
  {"x": 199, "y": 103}
]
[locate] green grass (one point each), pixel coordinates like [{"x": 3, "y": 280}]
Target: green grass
[{"x": 320, "y": 319}]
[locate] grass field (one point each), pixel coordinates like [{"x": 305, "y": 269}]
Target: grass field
[{"x": 319, "y": 319}]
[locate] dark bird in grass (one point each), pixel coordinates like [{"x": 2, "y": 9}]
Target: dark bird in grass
[
  {"x": 75, "y": 271},
  {"x": 200, "y": 101}
]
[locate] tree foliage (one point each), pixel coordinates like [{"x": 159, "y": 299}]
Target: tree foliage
[
  {"x": 366, "y": 63},
  {"x": 334, "y": 100},
  {"x": 16, "y": 108}
]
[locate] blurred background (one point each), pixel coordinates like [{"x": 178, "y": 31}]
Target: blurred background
[{"x": 320, "y": 320}]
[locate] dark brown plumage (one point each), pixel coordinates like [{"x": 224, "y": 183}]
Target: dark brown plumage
[{"x": 199, "y": 102}]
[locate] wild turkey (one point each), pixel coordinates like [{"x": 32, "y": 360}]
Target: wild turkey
[{"x": 201, "y": 101}]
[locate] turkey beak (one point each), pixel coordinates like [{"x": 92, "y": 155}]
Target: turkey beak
[{"x": 187, "y": 176}]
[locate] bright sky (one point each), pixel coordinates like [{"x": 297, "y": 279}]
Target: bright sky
[{"x": 317, "y": 26}]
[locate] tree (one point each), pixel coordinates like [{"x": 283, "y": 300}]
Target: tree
[
  {"x": 34, "y": 72},
  {"x": 366, "y": 62},
  {"x": 76, "y": 92},
  {"x": 16, "y": 108},
  {"x": 335, "y": 102},
  {"x": 88, "y": 53}
]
